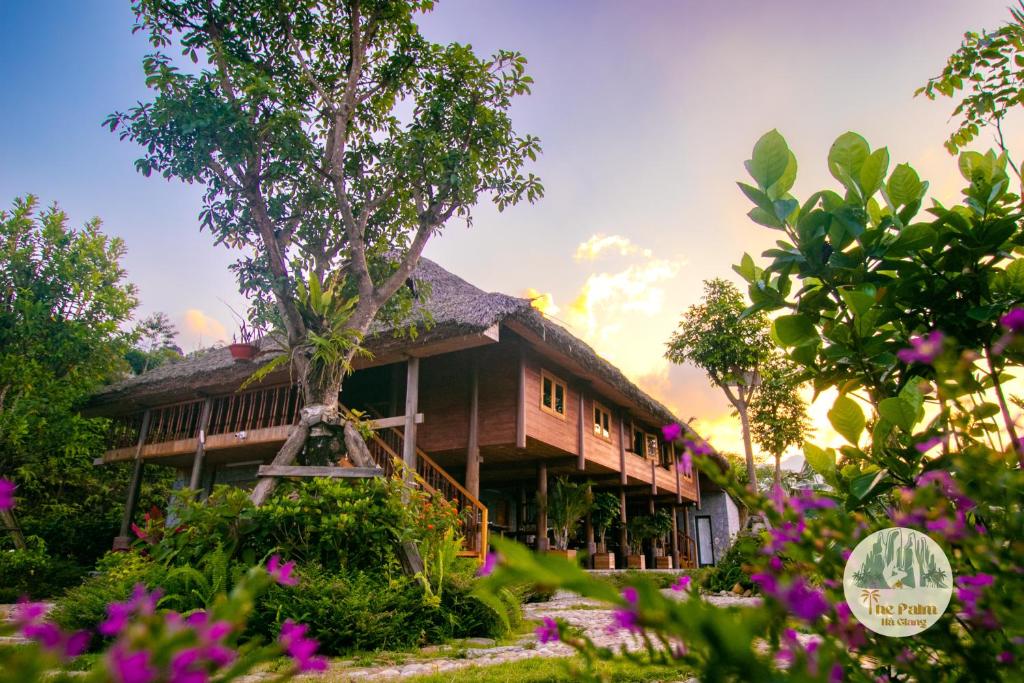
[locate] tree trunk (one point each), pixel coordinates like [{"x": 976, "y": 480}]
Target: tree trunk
[
  {"x": 748, "y": 449},
  {"x": 778, "y": 470}
]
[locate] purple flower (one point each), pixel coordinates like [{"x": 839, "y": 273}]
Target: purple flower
[
  {"x": 6, "y": 494},
  {"x": 1014, "y": 320},
  {"x": 835, "y": 674},
  {"x": 681, "y": 584},
  {"x": 698, "y": 448},
  {"x": 671, "y": 432},
  {"x": 117, "y": 618},
  {"x": 130, "y": 667},
  {"x": 923, "y": 349},
  {"x": 979, "y": 580},
  {"x": 1005, "y": 657},
  {"x": 775, "y": 564},
  {"x": 46, "y": 634},
  {"x": 766, "y": 582},
  {"x": 928, "y": 444},
  {"x": 685, "y": 464},
  {"x": 624, "y": 619},
  {"x": 281, "y": 572},
  {"x": 187, "y": 667},
  {"x": 548, "y": 631},
  {"x": 300, "y": 648},
  {"x": 630, "y": 595},
  {"x": 28, "y": 612},
  {"x": 805, "y": 602},
  {"x": 490, "y": 562}
]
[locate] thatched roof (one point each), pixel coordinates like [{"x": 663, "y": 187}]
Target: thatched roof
[{"x": 456, "y": 307}]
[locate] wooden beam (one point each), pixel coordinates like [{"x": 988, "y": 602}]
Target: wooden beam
[
  {"x": 473, "y": 445},
  {"x": 588, "y": 530},
  {"x": 675, "y": 466},
  {"x": 521, "y": 402},
  {"x": 412, "y": 395},
  {"x": 316, "y": 471},
  {"x": 654, "y": 477},
  {"x": 397, "y": 421},
  {"x": 542, "y": 506},
  {"x": 197, "y": 461},
  {"x": 623, "y": 539},
  {"x": 675, "y": 537},
  {"x": 122, "y": 540},
  {"x": 581, "y": 463}
]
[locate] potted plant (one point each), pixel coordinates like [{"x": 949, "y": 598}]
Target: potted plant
[
  {"x": 660, "y": 527},
  {"x": 568, "y": 503},
  {"x": 603, "y": 514},
  {"x": 639, "y": 530},
  {"x": 243, "y": 345}
]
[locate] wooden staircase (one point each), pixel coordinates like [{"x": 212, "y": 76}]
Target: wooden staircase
[{"x": 386, "y": 447}]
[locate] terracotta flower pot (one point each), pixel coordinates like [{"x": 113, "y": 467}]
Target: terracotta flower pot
[
  {"x": 636, "y": 561},
  {"x": 565, "y": 554},
  {"x": 604, "y": 561},
  {"x": 242, "y": 351},
  {"x": 663, "y": 562}
]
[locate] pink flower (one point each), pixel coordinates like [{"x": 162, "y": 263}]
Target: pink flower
[
  {"x": 6, "y": 494},
  {"x": 548, "y": 631},
  {"x": 671, "y": 432},
  {"x": 282, "y": 573},
  {"x": 698, "y": 448},
  {"x": 928, "y": 444},
  {"x": 130, "y": 667},
  {"x": 624, "y": 619},
  {"x": 630, "y": 595},
  {"x": 923, "y": 349},
  {"x": 681, "y": 584},
  {"x": 1013, "y": 321},
  {"x": 28, "y": 612},
  {"x": 300, "y": 648},
  {"x": 490, "y": 562},
  {"x": 1005, "y": 657},
  {"x": 685, "y": 463},
  {"x": 117, "y": 618}
]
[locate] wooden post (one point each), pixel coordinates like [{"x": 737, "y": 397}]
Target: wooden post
[
  {"x": 122, "y": 541},
  {"x": 675, "y": 538},
  {"x": 542, "y": 506},
  {"x": 588, "y": 530},
  {"x": 412, "y": 393},
  {"x": 622, "y": 449},
  {"x": 654, "y": 477},
  {"x": 197, "y": 462},
  {"x": 623, "y": 539},
  {"x": 521, "y": 402},
  {"x": 650, "y": 510},
  {"x": 473, "y": 447},
  {"x": 675, "y": 466},
  {"x": 581, "y": 461}
]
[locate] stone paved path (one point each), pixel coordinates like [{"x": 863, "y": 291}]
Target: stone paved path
[{"x": 588, "y": 615}]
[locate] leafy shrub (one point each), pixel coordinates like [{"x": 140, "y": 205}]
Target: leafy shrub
[
  {"x": 33, "y": 572},
  {"x": 736, "y": 565},
  {"x": 84, "y": 607}
]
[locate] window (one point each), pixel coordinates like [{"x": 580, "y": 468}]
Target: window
[
  {"x": 652, "y": 446},
  {"x": 638, "y": 441},
  {"x": 602, "y": 422},
  {"x": 552, "y": 394},
  {"x": 666, "y": 455}
]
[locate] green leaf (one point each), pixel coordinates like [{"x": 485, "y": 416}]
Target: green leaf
[
  {"x": 898, "y": 411},
  {"x": 746, "y": 269},
  {"x": 821, "y": 461},
  {"x": 785, "y": 183},
  {"x": 861, "y": 486},
  {"x": 794, "y": 330},
  {"x": 904, "y": 186},
  {"x": 872, "y": 173},
  {"x": 858, "y": 299},
  {"x": 770, "y": 159},
  {"x": 847, "y": 418},
  {"x": 847, "y": 156}
]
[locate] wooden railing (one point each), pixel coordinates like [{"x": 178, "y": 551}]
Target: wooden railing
[
  {"x": 434, "y": 478},
  {"x": 255, "y": 409},
  {"x": 687, "y": 551}
]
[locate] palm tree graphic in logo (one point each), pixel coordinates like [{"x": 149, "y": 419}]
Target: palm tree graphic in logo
[
  {"x": 899, "y": 559},
  {"x": 869, "y": 596}
]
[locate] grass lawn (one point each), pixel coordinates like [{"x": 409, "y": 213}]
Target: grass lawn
[{"x": 552, "y": 670}]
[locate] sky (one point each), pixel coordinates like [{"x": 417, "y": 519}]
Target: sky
[{"x": 646, "y": 111}]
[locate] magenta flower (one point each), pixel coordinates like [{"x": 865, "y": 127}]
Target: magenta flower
[
  {"x": 130, "y": 667},
  {"x": 1013, "y": 321},
  {"x": 698, "y": 447},
  {"x": 117, "y": 618},
  {"x": 928, "y": 444},
  {"x": 923, "y": 349},
  {"x": 490, "y": 562},
  {"x": 547, "y": 632},
  {"x": 6, "y": 494},
  {"x": 1005, "y": 657},
  {"x": 26, "y": 612},
  {"x": 805, "y": 602},
  {"x": 685, "y": 464},
  {"x": 281, "y": 572},
  {"x": 671, "y": 432},
  {"x": 624, "y": 619},
  {"x": 630, "y": 595},
  {"x": 681, "y": 584},
  {"x": 300, "y": 648}
]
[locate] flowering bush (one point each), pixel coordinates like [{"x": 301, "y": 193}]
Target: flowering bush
[{"x": 915, "y": 324}]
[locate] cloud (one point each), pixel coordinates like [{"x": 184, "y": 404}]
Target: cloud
[
  {"x": 543, "y": 302},
  {"x": 202, "y": 328},
  {"x": 600, "y": 243}
]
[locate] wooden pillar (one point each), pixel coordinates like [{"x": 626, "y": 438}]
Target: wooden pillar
[
  {"x": 588, "y": 530},
  {"x": 521, "y": 517},
  {"x": 652, "y": 563},
  {"x": 521, "y": 402},
  {"x": 473, "y": 447},
  {"x": 654, "y": 478},
  {"x": 412, "y": 396},
  {"x": 542, "y": 506},
  {"x": 581, "y": 458},
  {"x": 622, "y": 450},
  {"x": 197, "y": 462},
  {"x": 675, "y": 538},
  {"x": 122, "y": 541},
  {"x": 675, "y": 466},
  {"x": 623, "y": 539}
]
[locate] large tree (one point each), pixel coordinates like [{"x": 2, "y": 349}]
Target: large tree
[
  {"x": 729, "y": 346},
  {"x": 333, "y": 140},
  {"x": 778, "y": 414}
]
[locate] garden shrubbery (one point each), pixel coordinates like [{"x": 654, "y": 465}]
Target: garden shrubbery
[{"x": 352, "y": 591}]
